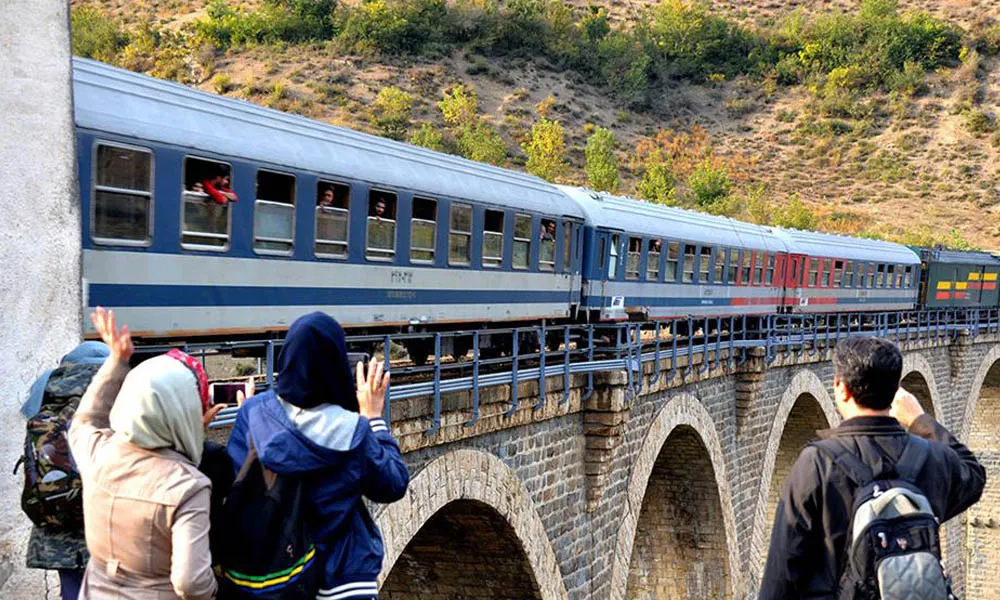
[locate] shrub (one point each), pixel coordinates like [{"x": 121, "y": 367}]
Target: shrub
[
  {"x": 483, "y": 143},
  {"x": 602, "y": 164},
  {"x": 392, "y": 112},
  {"x": 978, "y": 122},
  {"x": 624, "y": 68},
  {"x": 274, "y": 21},
  {"x": 546, "y": 150},
  {"x": 394, "y": 26},
  {"x": 795, "y": 215},
  {"x": 94, "y": 35},
  {"x": 708, "y": 184},
  {"x": 221, "y": 83},
  {"x": 428, "y": 136},
  {"x": 460, "y": 106},
  {"x": 658, "y": 184}
]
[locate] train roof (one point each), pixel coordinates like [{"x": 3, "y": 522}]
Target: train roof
[
  {"x": 656, "y": 220},
  {"x": 848, "y": 248},
  {"x": 966, "y": 257},
  {"x": 113, "y": 100}
]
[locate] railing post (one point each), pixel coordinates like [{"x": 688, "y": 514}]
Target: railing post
[
  {"x": 513, "y": 374},
  {"x": 475, "y": 380},
  {"x": 387, "y": 409},
  {"x": 436, "y": 424},
  {"x": 541, "y": 367},
  {"x": 566, "y": 358}
]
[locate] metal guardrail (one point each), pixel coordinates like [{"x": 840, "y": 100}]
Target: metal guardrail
[{"x": 542, "y": 352}]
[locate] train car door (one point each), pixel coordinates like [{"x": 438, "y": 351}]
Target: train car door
[
  {"x": 794, "y": 269},
  {"x": 941, "y": 279},
  {"x": 990, "y": 295}
]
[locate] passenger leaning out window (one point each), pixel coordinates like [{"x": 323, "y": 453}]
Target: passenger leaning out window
[{"x": 216, "y": 185}]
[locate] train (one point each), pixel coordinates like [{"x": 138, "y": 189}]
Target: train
[{"x": 390, "y": 237}]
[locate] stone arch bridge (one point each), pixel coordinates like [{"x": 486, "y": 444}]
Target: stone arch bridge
[{"x": 665, "y": 492}]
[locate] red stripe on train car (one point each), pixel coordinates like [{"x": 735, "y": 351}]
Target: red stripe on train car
[
  {"x": 943, "y": 296},
  {"x": 989, "y": 286},
  {"x": 960, "y": 295}
]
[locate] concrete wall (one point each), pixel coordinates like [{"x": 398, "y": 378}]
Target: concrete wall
[{"x": 39, "y": 240}]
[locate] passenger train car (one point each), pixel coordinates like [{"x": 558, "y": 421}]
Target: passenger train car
[{"x": 390, "y": 237}]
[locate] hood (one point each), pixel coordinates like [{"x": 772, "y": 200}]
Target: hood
[
  {"x": 313, "y": 368},
  {"x": 290, "y": 439}
]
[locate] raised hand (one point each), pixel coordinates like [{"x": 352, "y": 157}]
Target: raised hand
[
  {"x": 905, "y": 408},
  {"x": 249, "y": 389},
  {"x": 371, "y": 389},
  {"x": 119, "y": 342}
]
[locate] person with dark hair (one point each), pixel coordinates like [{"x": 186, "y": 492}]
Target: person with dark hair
[
  {"x": 216, "y": 185},
  {"x": 811, "y": 541},
  {"x": 314, "y": 424}
]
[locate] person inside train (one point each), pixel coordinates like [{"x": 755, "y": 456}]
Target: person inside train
[
  {"x": 326, "y": 198},
  {"x": 379, "y": 211},
  {"x": 548, "y": 231},
  {"x": 315, "y": 423},
  {"x": 216, "y": 185},
  {"x": 137, "y": 438}
]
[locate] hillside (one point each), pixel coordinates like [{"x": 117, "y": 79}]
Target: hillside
[{"x": 904, "y": 150}]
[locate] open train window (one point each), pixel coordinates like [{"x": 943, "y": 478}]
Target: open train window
[
  {"x": 734, "y": 266},
  {"x": 493, "y": 239},
  {"x": 880, "y": 276},
  {"x": 653, "y": 252},
  {"x": 908, "y": 280},
  {"x": 705, "y": 266},
  {"x": 333, "y": 203},
  {"x": 274, "y": 213},
  {"x": 899, "y": 275},
  {"x": 769, "y": 277},
  {"x": 205, "y": 222},
  {"x": 547, "y": 245},
  {"x": 838, "y": 273},
  {"x": 567, "y": 228},
  {"x": 747, "y": 267},
  {"x": 522, "y": 242},
  {"x": 602, "y": 253},
  {"x": 123, "y": 195},
  {"x": 848, "y": 274},
  {"x": 673, "y": 257},
  {"x": 423, "y": 230},
  {"x": 690, "y": 255},
  {"x": 634, "y": 255},
  {"x": 870, "y": 277},
  {"x": 719, "y": 266},
  {"x": 381, "y": 243},
  {"x": 758, "y": 268},
  {"x": 460, "y": 235}
]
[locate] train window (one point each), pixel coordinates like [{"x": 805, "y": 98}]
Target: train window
[
  {"x": 689, "y": 257},
  {"x": 381, "y": 225},
  {"x": 838, "y": 273},
  {"x": 205, "y": 222},
  {"x": 547, "y": 245},
  {"x": 747, "y": 267},
  {"x": 673, "y": 257},
  {"x": 880, "y": 276},
  {"x": 653, "y": 259},
  {"x": 705, "y": 266},
  {"x": 634, "y": 254},
  {"x": 522, "y": 242},
  {"x": 274, "y": 213},
  {"x": 602, "y": 252},
  {"x": 493, "y": 239},
  {"x": 734, "y": 265},
  {"x": 899, "y": 275},
  {"x": 423, "y": 230},
  {"x": 460, "y": 235},
  {"x": 758, "y": 269},
  {"x": 870, "y": 278},
  {"x": 813, "y": 271},
  {"x": 719, "y": 269},
  {"x": 909, "y": 277},
  {"x": 848, "y": 274},
  {"x": 769, "y": 278},
  {"x": 333, "y": 203},
  {"x": 123, "y": 194},
  {"x": 567, "y": 246}
]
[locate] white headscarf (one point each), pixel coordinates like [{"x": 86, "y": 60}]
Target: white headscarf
[{"x": 159, "y": 407}]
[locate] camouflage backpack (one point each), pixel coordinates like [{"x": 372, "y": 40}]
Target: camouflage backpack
[{"x": 52, "y": 486}]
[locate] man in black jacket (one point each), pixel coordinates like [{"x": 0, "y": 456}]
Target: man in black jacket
[{"x": 809, "y": 542}]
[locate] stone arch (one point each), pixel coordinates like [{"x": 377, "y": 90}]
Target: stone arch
[
  {"x": 467, "y": 490},
  {"x": 918, "y": 379},
  {"x": 981, "y": 427},
  {"x": 805, "y": 406},
  {"x": 683, "y": 424}
]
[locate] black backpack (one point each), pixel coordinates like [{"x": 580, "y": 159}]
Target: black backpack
[
  {"x": 893, "y": 551},
  {"x": 266, "y": 552}
]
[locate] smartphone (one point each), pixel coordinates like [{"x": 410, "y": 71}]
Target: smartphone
[
  {"x": 225, "y": 393},
  {"x": 353, "y": 358}
]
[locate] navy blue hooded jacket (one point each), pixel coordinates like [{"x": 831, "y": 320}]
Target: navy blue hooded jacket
[{"x": 342, "y": 455}]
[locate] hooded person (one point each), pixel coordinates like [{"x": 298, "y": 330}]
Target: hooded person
[
  {"x": 309, "y": 425},
  {"x": 137, "y": 438},
  {"x": 60, "y": 548}
]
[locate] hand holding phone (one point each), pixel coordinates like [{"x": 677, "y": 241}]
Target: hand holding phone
[{"x": 371, "y": 389}]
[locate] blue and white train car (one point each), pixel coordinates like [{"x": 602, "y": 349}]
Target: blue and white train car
[
  {"x": 832, "y": 273},
  {"x": 383, "y": 235},
  {"x": 646, "y": 260}
]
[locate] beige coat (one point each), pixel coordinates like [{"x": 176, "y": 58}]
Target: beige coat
[{"x": 146, "y": 511}]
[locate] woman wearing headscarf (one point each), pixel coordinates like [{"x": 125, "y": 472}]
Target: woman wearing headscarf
[
  {"x": 137, "y": 439},
  {"x": 63, "y": 547},
  {"x": 309, "y": 425}
]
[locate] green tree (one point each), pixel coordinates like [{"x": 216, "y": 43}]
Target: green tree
[
  {"x": 708, "y": 184},
  {"x": 428, "y": 136},
  {"x": 483, "y": 143},
  {"x": 658, "y": 183},
  {"x": 602, "y": 164},
  {"x": 460, "y": 106},
  {"x": 392, "y": 112},
  {"x": 546, "y": 150},
  {"x": 95, "y": 35},
  {"x": 795, "y": 215}
]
